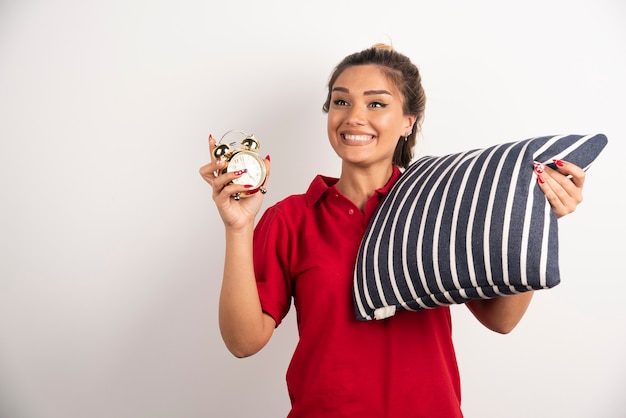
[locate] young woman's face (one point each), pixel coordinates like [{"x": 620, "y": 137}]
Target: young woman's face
[{"x": 365, "y": 118}]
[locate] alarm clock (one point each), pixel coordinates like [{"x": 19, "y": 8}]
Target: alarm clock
[{"x": 244, "y": 159}]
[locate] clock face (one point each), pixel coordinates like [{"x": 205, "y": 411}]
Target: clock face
[{"x": 254, "y": 166}]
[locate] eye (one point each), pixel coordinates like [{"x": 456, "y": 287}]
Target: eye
[
  {"x": 340, "y": 102},
  {"x": 378, "y": 105}
]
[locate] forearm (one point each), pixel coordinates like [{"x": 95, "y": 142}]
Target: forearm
[
  {"x": 244, "y": 327},
  {"x": 501, "y": 314}
]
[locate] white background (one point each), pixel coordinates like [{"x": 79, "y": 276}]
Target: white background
[{"x": 110, "y": 248}]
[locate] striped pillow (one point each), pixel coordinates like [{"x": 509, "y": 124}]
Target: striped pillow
[{"x": 465, "y": 226}]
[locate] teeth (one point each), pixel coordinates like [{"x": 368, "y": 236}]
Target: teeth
[{"x": 357, "y": 137}]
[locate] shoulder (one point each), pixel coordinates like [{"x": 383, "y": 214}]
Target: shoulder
[
  {"x": 317, "y": 189},
  {"x": 288, "y": 205},
  {"x": 284, "y": 212},
  {"x": 295, "y": 209}
]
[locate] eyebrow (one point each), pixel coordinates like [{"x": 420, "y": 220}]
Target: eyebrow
[{"x": 365, "y": 93}]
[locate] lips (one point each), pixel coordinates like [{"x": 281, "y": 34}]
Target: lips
[{"x": 357, "y": 139}]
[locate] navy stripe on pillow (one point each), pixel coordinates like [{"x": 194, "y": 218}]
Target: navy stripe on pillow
[{"x": 465, "y": 226}]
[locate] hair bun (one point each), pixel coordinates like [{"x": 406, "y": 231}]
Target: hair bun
[{"x": 381, "y": 45}]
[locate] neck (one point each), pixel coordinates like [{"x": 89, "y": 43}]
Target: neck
[{"x": 359, "y": 185}]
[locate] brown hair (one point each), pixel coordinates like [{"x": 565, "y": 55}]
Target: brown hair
[{"x": 405, "y": 76}]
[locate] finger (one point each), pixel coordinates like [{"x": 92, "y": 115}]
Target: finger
[
  {"x": 267, "y": 167},
  {"x": 556, "y": 203},
  {"x": 212, "y": 170},
  {"x": 575, "y": 173},
  {"x": 211, "y": 145},
  {"x": 262, "y": 187},
  {"x": 232, "y": 189},
  {"x": 559, "y": 190},
  {"x": 207, "y": 172},
  {"x": 223, "y": 185},
  {"x": 568, "y": 187}
]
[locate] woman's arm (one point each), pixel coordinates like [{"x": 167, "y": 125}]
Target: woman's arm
[
  {"x": 563, "y": 189},
  {"x": 500, "y": 314},
  {"x": 245, "y": 328}
]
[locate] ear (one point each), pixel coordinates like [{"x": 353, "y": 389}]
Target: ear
[{"x": 410, "y": 124}]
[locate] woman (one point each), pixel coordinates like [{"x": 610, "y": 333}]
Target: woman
[{"x": 403, "y": 366}]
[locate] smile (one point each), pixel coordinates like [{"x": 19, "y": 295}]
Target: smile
[{"x": 357, "y": 138}]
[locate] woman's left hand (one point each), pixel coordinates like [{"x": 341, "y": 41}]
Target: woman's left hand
[{"x": 562, "y": 187}]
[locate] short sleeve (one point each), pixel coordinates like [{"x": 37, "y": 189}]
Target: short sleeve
[{"x": 270, "y": 248}]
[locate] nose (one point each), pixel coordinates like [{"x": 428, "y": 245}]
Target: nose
[{"x": 356, "y": 116}]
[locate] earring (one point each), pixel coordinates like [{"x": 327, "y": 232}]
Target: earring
[{"x": 406, "y": 137}]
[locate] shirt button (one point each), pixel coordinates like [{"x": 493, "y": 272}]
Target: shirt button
[{"x": 351, "y": 211}]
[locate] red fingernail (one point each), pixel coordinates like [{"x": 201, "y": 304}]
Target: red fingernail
[
  {"x": 538, "y": 167},
  {"x": 247, "y": 186},
  {"x": 267, "y": 157},
  {"x": 540, "y": 179},
  {"x": 559, "y": 163}
]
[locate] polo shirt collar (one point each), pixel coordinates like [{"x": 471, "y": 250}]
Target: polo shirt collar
[{"x": 321, "y": 184}]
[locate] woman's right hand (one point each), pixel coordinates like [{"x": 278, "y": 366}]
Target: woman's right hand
[{"x": 236, "y": 214}]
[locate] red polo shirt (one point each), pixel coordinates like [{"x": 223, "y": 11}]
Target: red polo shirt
[{"x": 305, "y": 248}]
